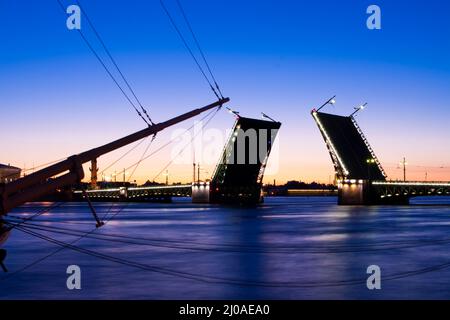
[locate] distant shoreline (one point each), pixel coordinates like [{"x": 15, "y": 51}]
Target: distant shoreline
[{"x": 303, "y": 193}]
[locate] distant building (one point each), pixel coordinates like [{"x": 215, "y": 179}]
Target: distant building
[{"x": 9, "y": 173}]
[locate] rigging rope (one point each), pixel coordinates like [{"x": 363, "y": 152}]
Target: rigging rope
[
  {"x": 187, "y": 145},
  {"x": 106, "y": 69},
  {"x": 335, "y": 247},
  {"x": 56, "y": 251},
  {"x": 171, "y": 141},
  {"x": 106, "y": 218},
  {"x": 42, "y": 165},
  {"x": 178, "y": 31},
  {"x": 18, "y": 226},
  {"x": 236, "y": 248},
  {"x": 197, "y": 43},
  {"x": 37, "y": 214},
  {"x": 142, "y": 157},
  {"x": 228, "y": 281},
  {"x": 113, "y": 60},
  {"x": 34, "y": 167},
  {"x": 124, "y": 155}
]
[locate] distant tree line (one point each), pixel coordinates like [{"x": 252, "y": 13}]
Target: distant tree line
[{"x": 308, "y": 186}]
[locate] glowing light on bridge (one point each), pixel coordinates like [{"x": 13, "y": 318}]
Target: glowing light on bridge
[{"x": 330, "y": 144}]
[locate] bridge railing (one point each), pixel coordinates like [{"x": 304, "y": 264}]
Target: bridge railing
[
  {"x": 224, "y": 155},
  {"x": 369, "y": 147},
  {"x": 412, "y": 183},
  {"x": 339, "y": 166},
  {"x": 392, "y": 189}
]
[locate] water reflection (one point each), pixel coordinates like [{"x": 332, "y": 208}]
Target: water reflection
[
  {"x": 287, "y": 240},
  {"x": 3, "y": 253},
  {"x": 4, "y": 234},
  {"x": 250, "y": 266}
]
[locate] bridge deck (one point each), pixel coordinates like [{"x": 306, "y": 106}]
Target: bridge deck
[
  {"x": 139, "y": 193},
  {"x": 239, "y": 173},
  {"x": 387, "y": 189},
  {"x": 348, "y": 147}
]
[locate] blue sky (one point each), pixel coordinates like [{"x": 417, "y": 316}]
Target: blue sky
[{"x": 281, "y": 57}]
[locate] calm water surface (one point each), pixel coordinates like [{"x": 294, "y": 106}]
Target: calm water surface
[{"x": 288, "y": 248}]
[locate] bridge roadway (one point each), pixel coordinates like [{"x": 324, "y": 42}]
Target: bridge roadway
[
  {"x": 410, "y": 188},
  {"x": 388, "y": 192},
  {"x": 379, "y": 191},
  {"x": 152, "y": 193}
]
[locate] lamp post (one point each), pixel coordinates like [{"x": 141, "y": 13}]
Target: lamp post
[
  {"x": 331, "y": 101},
  {"x": 236, "y": 113},
  {"x": 267, "y": 117},
  {"x": 357, "y": 109}
]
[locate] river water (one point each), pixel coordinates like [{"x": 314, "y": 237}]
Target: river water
[{"x": 287, "y": 248}]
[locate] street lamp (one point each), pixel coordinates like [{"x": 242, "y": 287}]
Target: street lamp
[
  {"x": 370, "y": 162},
  {"x": 357, "y": 109},
  {"x": 267, "y": 117},
  {"x": 236, "y": 113},
  {"x": 331, "y": 101}
]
